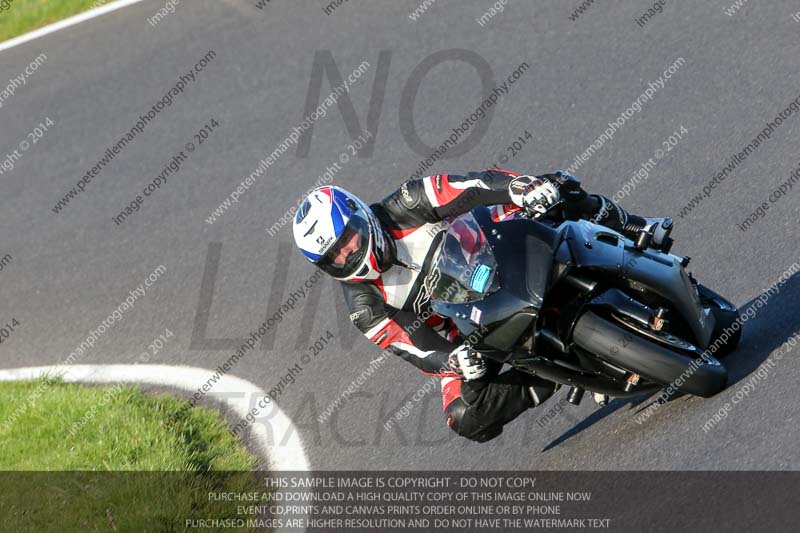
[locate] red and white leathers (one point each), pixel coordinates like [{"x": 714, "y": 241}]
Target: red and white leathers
[{"x": 393, "y": 311}]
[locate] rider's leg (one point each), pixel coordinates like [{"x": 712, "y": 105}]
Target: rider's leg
[{"x": 479, "y": 409}]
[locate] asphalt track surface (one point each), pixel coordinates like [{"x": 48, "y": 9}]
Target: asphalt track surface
[{"x": 71, "y": 270}]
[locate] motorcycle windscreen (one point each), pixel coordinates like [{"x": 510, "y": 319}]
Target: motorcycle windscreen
[{"x": 465, "y": 269}]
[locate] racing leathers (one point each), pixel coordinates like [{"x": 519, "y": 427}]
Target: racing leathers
[{"x": 393, "y": 311}]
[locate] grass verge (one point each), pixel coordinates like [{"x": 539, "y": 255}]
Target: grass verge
[
  {"x": 127, "y": 460},
  {"x": 21, "y": 16}
]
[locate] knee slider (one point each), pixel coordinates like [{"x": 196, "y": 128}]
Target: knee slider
[{"x": 461, "y": 419}]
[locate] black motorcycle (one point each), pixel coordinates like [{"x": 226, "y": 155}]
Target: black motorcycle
[{"x": 582, "y": 305}]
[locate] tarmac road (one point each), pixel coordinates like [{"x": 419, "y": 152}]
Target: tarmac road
[{"x": 69, "y": 270}]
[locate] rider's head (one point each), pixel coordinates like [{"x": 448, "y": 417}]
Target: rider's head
[{"x": 339, "y": 234}]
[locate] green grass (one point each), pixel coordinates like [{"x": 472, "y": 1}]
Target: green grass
[
  {"x": 175, "y": 456},
  {"x": 22, "y": 16}
]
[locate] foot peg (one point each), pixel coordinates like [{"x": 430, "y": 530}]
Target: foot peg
[
  {"x": 631, "y": 382},
  {"x": 601, "y": 399},
  {"x": 659, "y": 319},
  {"x": 575, "y": 395},
  {"x": 540, "y": 393}
]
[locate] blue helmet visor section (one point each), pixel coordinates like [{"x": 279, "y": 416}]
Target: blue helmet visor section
[{"x": 343, "y": 259}]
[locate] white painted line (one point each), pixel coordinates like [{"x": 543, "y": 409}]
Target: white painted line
[
  {"x": 235, "y": 392},
  {"x": 66, "y": 23}
]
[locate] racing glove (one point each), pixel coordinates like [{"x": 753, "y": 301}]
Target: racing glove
[
  {"x": 467, "y": 363},
  {"x": 534, "y": 194}
]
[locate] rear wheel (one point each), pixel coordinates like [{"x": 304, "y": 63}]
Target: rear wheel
[{"x": 656, "y": 356}]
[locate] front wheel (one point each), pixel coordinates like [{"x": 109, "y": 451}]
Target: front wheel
[{"x": 668, "y": 361}]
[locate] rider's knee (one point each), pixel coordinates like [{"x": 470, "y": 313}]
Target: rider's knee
[{"x": 461, "y": 418}]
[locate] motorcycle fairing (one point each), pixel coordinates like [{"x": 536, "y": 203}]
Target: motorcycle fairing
[{"x": 598, "y": 248}]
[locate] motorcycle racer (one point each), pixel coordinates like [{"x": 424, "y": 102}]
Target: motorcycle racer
[{"x": 382, "y": 253}]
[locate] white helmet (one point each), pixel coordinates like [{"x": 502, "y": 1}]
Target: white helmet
[{"x": 339, "y": 234}]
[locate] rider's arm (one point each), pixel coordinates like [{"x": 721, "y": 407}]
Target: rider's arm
[
  {"x": 431, "y": 199},
  {"x": 399, "y": 332}
]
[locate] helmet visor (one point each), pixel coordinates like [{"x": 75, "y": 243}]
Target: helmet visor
[{"x": 346, "y": 256}]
